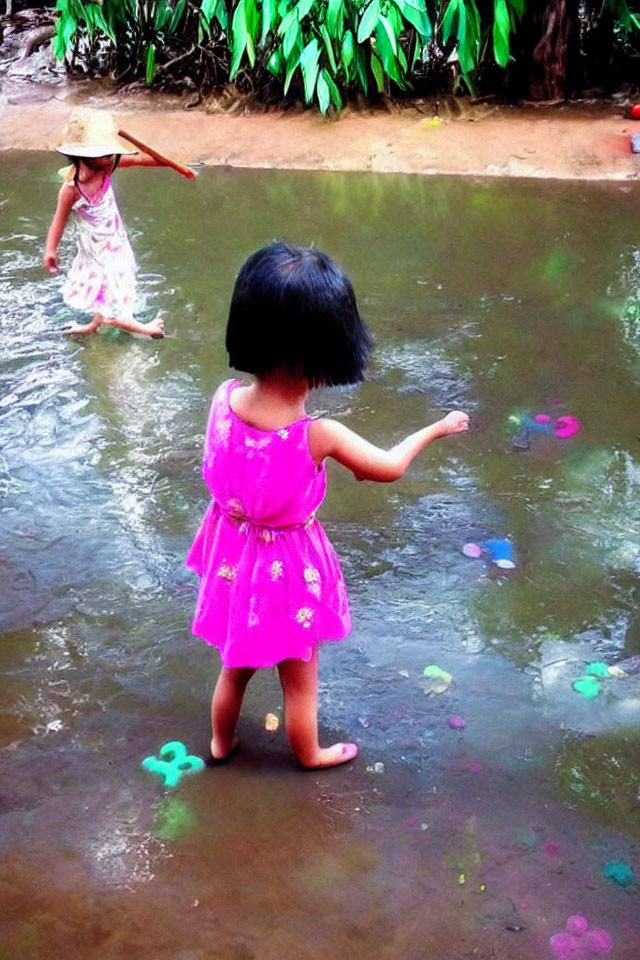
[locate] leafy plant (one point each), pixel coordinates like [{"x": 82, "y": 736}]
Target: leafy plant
[{"x": 321, "y": 51}]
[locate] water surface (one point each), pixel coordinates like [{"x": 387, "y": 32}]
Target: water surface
[{"x": 495, "y": 297}]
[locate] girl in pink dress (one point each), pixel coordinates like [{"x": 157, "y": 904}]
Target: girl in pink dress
[
  {"x": 102, "y": 277},
  {"x": 271, "y": 587}
]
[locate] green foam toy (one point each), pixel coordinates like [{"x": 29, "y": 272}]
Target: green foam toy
[
  {"x": 598, "y": 670},
  {"x": 174, "y": 762},
  {"x": 439, "y": 680},
  {"x": 587, "y": 686}
]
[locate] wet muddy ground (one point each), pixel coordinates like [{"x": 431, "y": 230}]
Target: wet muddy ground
[{"x": 436, "y": 843}]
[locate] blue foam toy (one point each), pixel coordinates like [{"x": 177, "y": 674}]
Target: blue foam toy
[
  {"x": 174, "y": 763},
  {"x": 617, "y": 872},
  {"x": 501, "y": 553}
]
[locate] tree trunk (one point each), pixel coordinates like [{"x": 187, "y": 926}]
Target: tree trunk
[{"x": 555, "y": 25}]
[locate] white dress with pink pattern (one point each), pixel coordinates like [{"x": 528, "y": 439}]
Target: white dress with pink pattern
[{"x": 102, "y": 278}]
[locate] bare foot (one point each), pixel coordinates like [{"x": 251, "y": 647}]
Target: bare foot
[
  {"x": 332, "y": 756},
  {"x": 80, "y": 328},
  {"x": 218, "y": 755},
  {"x": 155, "y": 328}
]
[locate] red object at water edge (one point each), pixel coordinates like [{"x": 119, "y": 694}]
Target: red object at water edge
[{"x": 635, "y": 111}]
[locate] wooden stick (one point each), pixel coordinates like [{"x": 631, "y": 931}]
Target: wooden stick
[{"x": 165, "y": 161}]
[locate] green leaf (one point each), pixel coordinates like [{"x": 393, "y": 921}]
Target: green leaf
[
  {"x": 328, "y": 47},
  {"x": 177, "y": 15},
  {"x": 252, "y": 22},
  {"x": 335, "y": 17},
  {"x": 377, "y": 71},
  {"x": 207, "y": 9},
  {"x": 274, "y": 63},
  {"x": 103, "y": 25},
  {"x": 238, "y": 38},
  {"x": 333, "y": 90},
  {"x": 369, "y": 21},
  {"x": 402, "y": 60},
  {"x": 417, "y": 50},
  {"x": 448, "y": 19},
  {"x": 268, "y": 13},
  {"x": 501, "y": 30},
  {"x": 221, "y": 15},
  {"x": 361, "y": 69},
  {"x": 287, "y": 21},
  {"x": 292, "y": 40},
  {"x": 292, "y": 64},
  {"x": 322, "y": 91},
  {"x": 386, "y": 24},
  {"x": 347, "y": 52},
  {"x": 303, "y": 8},
  {"x": 67, "y": 27},
  {"x": 151, "y": 63},
  {"x": 386, "y": 54},
  {"x": 162, "y": 14},
  {"x": 415, "y": 12},
  {"x": 309, "y": 67}
]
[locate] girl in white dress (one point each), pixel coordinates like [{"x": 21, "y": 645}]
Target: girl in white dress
[{"x": 102, "y": 277}]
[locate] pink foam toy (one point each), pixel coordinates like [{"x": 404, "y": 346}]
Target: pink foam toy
[
  {"x": 567, "y": 426},
  {"x": 599, "y": 942},
  {"x": 566, "y": 946},
  {"x": 473, "y": 550},
  {"x": 542, "y": 418},
  {"x": 580, "y": 943}
]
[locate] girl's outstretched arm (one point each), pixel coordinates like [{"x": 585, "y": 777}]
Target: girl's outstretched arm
[
  {"x": 66, "y": 199},
  {"x": 138, "y": 160},
  {"x": 328, "y": 438}
]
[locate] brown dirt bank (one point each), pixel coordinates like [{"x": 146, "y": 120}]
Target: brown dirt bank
[{"x": 578, "y": 142}]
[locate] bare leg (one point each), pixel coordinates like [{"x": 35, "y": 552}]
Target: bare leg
[
  {"x": 83, "y": 328},
  {"x": 299, "y": 681},
  {"x": 155, "y": 327},
  {"x": 225, "y": 709}
]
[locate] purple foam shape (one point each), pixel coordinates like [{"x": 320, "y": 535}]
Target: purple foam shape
[
  {"x": 457, "y": 723},
  {"x": 577, "y": 924},
  {"x": 542, "y": 418}
]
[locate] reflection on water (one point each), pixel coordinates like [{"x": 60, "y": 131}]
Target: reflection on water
[{"x": 494, "y": 297}]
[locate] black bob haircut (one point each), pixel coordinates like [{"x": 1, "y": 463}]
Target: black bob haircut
[{"x": 294, "y": 310}]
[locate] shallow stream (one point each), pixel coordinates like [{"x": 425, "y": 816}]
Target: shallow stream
[{"x": 509, "y": 299}]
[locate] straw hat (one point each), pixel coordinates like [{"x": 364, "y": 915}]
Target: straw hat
[{"x": 92, "y": 134}]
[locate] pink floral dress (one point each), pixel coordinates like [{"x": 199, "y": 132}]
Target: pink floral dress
[
  {"x": 271, "y": 585},
  {"x": 102, "y": 278}
]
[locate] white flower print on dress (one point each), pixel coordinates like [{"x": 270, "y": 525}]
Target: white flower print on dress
[
  {"x": 312, "y": 579},
  {"x": 227, "y": 571},
  {"x": 276, "y": 570},
  {"x": 304, "y": 616}
]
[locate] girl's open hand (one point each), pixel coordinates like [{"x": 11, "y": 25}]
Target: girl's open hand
[
  {"x": 455, "y": 422},
  {"x": 50, "y": 262}
]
